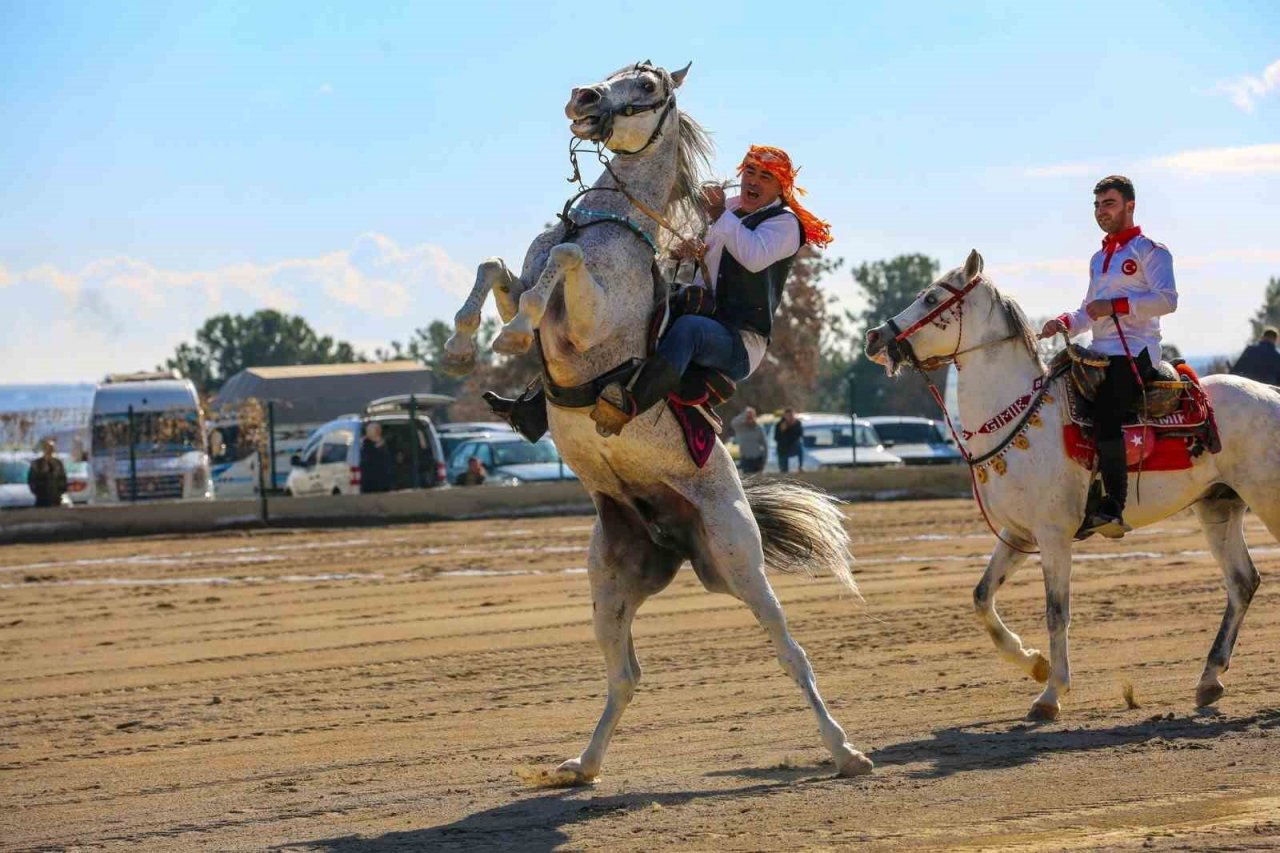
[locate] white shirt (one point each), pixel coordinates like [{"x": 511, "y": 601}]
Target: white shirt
[
  {"x": 1138, "y": 276},
  {"x": 771, "y": 241}
]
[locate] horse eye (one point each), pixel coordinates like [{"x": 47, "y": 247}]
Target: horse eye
[{"x": 648, "y": 86}]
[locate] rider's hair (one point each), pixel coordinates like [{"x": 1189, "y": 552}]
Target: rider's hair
[
  {"x": 1270, "y": 333},
  {"x": 1119, "y": 183}
]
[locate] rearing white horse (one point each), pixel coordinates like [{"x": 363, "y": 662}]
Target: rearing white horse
[
  {"x": 1039, "y": 498},
  {"x": 589, "y": 292}
]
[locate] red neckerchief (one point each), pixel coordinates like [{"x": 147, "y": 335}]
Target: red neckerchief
[{"x": 1114, "y": 241}]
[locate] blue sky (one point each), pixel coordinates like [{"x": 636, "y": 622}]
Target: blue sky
[{"x": 163, "y": 162}]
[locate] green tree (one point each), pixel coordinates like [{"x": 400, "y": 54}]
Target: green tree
[
  {"x": 1269, "y": 313},
  {"x": 887, "y": 288},
  {"x": 228, "y": 343}
]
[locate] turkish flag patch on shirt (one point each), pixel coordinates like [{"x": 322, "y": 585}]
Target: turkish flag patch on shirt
[{"x": 1129, "y": 267}]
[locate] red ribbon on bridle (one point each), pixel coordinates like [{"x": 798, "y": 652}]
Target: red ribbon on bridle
[{"x": 901, "y": 340}]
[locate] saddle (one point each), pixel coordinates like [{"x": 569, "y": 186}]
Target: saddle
[{"x": 1175, "y": 426}]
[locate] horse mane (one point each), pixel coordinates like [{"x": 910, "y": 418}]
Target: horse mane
[
  {"x": 1019, "y": 325},
  {"x": 693, "y": 168}
]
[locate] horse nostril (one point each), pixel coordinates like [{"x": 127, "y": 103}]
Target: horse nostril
[
  {"x": 586, "y": 97},
  {"x": 873, "y": 336}
]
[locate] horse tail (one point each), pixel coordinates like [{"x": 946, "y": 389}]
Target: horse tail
[{"x": 802, "y": 529}]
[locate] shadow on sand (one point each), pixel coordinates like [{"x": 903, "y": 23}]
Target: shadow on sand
[
  {"x": 980, "y": 746},
  {"x": 535, "y": 825}
]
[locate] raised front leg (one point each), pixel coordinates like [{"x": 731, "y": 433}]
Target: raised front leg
[
  {"x": 460, "y": 349},
  {"x": 1223, "y": 522},
  {"x": 1004, "y": 562},
  {"x": 733, "y": 547},
  {"x": 584, "y": 303},
  {"x": 1055, "y": 558}
]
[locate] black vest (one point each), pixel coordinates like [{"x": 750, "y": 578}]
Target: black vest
[{"x": 747, "y": 300}]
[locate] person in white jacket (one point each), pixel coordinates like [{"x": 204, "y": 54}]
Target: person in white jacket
[{"x": 1131, "y": 287}]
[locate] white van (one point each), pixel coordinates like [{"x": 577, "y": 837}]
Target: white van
[
  {"x": 162, "y": 416},
  {"x": 330, "y": 463}
]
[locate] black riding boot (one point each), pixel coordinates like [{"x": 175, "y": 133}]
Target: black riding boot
[
  {"x": 618, "y": 404},
  {"x": 1109, "y": 519}
]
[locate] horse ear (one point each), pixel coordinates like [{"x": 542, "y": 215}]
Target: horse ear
[
  {"x": 677, "y": 77},
  {"x": 972, "y": 265}
]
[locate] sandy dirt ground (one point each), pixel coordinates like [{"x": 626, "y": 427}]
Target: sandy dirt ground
[{"x": 378, "y": 689}]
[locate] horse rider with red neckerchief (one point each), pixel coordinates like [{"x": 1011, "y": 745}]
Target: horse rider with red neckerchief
[
  {"x": 1130, "y": 287},
  {"x": 728, "y": 319}
]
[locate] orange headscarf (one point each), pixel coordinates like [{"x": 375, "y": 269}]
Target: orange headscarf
[{"x": 776, "y": 162}]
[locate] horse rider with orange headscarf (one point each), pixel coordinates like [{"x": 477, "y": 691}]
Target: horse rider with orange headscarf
[{"x": 726, "y": 321}]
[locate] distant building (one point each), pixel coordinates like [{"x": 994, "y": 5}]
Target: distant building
[{"x": 317, "y": 393}]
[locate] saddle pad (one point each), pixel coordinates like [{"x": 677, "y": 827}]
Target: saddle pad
[
  {"x": 1145, "y": 449},
  {"x": 699, "y": 435},
  {"x": 1192, "y": 415}
]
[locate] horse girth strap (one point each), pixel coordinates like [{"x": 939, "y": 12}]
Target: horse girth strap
[{"x": 584, "y": 396}]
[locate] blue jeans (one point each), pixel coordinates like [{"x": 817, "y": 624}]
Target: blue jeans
[{"x": 701, "y": 340}]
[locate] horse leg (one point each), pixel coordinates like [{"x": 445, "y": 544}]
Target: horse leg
[
  {"x": 460, "y": 349},
  {"x": 1055, "y": 558},
  {"x": 1223, "y": 522},
  {"x": 583, "y": 302},
  {"x": 625, "y": 568},
  {"x": 1004, "y": 562},
  {"x": 732, "y": 546}
]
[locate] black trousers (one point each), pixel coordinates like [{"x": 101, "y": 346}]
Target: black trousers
[{"x": 1117, "y": 394}]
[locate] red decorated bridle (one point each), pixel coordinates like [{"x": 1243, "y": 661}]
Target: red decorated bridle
[{"x": 901, "y": 344}]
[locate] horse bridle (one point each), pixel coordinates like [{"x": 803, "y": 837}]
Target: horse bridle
[{"x": 900, "y": 347}]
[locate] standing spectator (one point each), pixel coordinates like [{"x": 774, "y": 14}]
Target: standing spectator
[
  {"x": 753, "y": 444},
  {"x": 375, "y": 461},
  {"x": 474, "y": 475},
  {"x": 790, "y": 439},
  {"x": 46, "y": 478},
  {"x": 1260, "y": 362}
]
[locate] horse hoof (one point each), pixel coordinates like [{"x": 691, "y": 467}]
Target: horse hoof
[
  {"x": 1042, "y": 712},
  {"x": 572, "y": 774},
  {"x": 1207, "y": 694},
  {"x": 457, "y": 366},
  {"x": 854, "y": 764},
  {"x": 1040, "y": 669},
  {"x": 509, "y": 342}
]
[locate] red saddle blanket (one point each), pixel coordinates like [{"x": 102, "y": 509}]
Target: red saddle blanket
[{"x": 1170, "y": 443}]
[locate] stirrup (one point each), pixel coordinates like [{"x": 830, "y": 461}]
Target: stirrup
[
  {"x": 1105, "y": 524},
  {"x": 613, "y": 410}
]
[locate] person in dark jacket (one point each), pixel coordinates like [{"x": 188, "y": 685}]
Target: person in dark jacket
[
  {"x": 47, "y": 478},
  {"x": 375, "y": 461},
  {"x": 474, "y": 475},
  {"x": 789, "y": 436},
  {"x": 749, "y": 248},
  {"x": 1260, "y": 362}
]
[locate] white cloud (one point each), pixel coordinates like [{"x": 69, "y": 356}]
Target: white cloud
[
  {"x": 132, "y": 312},
  {"x": 1243, "y": 160},
  {"x": 1247, "y": 90},
  {"x": 1062, "y": 170}
]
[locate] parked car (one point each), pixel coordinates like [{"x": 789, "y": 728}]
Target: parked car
[
  {"x": 916, "y": 441},
  {"x": 828, "y": 443},
  {"x": 511, "y": 460},
  {"x": 14, "y": 491},
  {"x": 329, "y": 463},
  {"x": 454, "y": 434}
]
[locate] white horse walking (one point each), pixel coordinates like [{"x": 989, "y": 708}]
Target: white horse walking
[
  {"x": 1038, "y": 495},
  {"x": 588, "y": 290}
]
